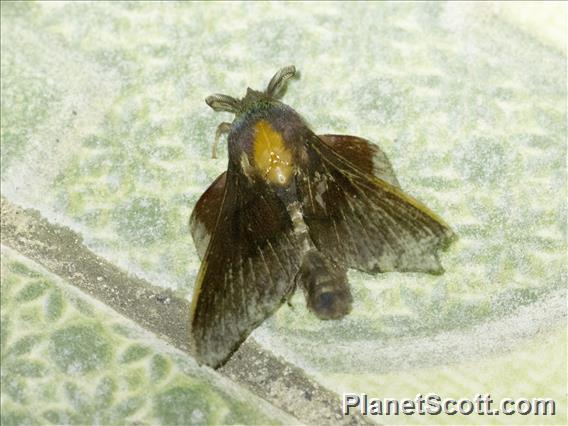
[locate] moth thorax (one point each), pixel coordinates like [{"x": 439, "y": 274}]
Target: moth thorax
[
  {"x": 272, "y": 159},
  {"x": 325, "y": 286}
]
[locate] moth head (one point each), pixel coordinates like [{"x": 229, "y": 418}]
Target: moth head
[{"x": 275, "y": 90}]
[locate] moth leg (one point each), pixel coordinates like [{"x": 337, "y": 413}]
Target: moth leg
[{"x": 221, "y": 129}]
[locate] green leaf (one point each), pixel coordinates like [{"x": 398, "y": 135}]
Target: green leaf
[
  {"x": 78, "y": 399},
  {"x": 82, "y": 306},
  {"x": 4, "y": 331},
  {"x": 104, "y": 393},
  {"x": 21, "y": 269},
  {"x": 16, "y": 418},
  {"x": 27, "y": 368},
  {"x": 134, "y": 353},
  {"x": 54, "y": 306},
  {"x": 124, "y": 330},
  {"x": 127, "y": 408},
  {"x": 55, "y": 417},
  {"x": 15, "y": 387},
  {"x": 79, "y": 349},
  {"x": 159, "y": 367},
  {"x": 9, "y": 283},
  {"x": 32, "y": 291},
  {"x": 176, "y": 406},
  {"x": 59, "y": 417},
  {"x": 23, "y": 345}
]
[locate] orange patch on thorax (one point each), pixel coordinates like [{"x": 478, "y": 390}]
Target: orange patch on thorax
[{"x": 272, "y": 159}]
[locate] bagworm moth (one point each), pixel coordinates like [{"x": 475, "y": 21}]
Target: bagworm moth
[{"x": 296, "y": 209}]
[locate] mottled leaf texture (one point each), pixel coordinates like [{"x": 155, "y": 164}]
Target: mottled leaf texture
[
  {"x": 362, "y": 221},
  {"x": 247, "y": 271}
]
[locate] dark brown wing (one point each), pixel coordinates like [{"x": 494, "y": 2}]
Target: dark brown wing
[
  {"x": 247, "y": 271},
  {"x": 362, "y": 153},
  {"x": 365, "y": 155},
  {"x": 364, "y": 222},
  {"x": 204, "y": 216}
]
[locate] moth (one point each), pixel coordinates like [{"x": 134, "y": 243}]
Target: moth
[{"x": 296, "y": 210}]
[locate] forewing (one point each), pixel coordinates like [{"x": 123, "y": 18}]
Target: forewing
[
  {"x": 247, "y": 270},
  {"x": 363, "y": 221}
]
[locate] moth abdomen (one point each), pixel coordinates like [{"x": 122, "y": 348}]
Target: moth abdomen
[{"x": 325, "y": 286}]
